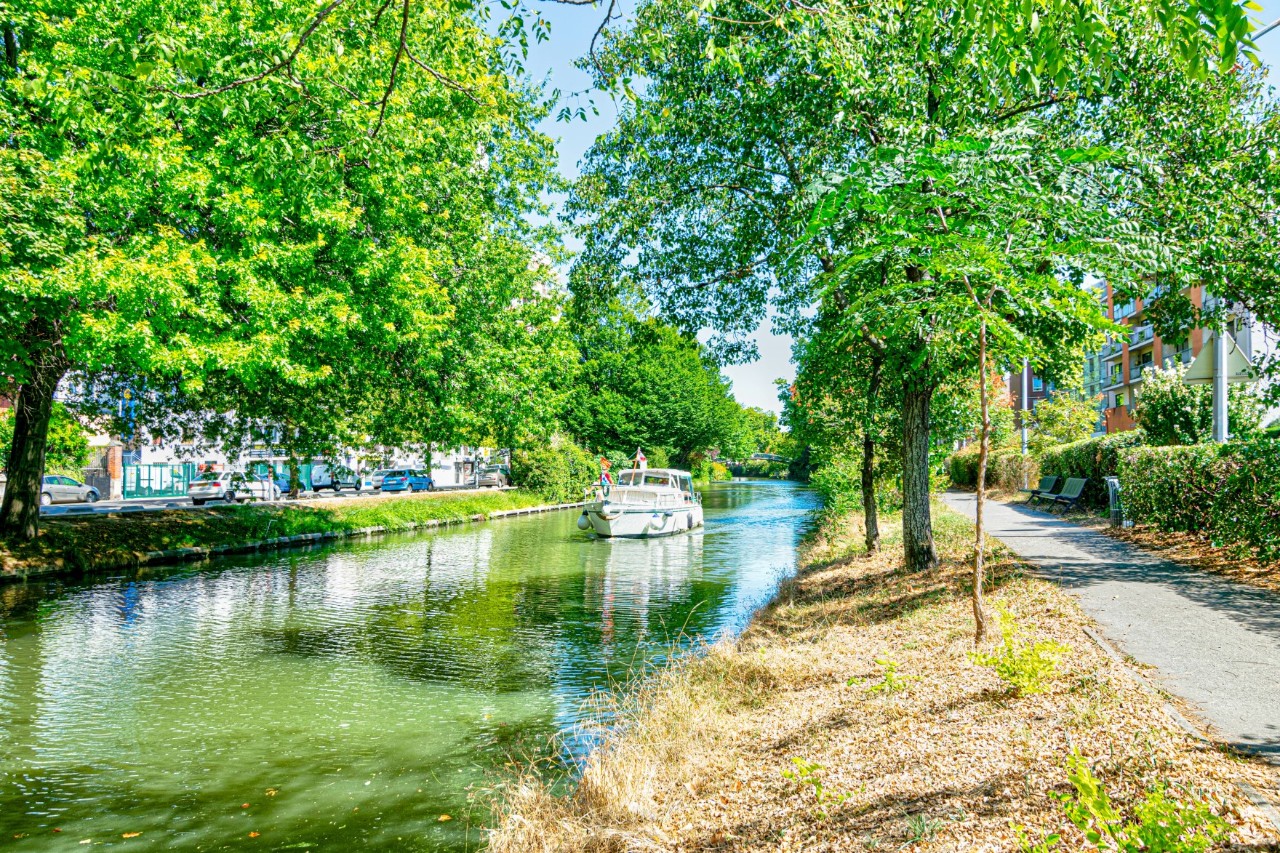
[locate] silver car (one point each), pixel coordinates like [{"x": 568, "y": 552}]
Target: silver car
[
  {"x": 63, "y": 490},
  {"x": 230, "y": 487},
  {"x": 375, "y": 479}
]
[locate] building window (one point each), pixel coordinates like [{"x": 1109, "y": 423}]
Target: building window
[
  {"x": 1037, "y": 384},
  {"x": 1119, "y": 398}
]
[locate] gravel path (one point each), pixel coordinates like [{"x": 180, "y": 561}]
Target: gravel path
[{"x": 1214, "y": 642}]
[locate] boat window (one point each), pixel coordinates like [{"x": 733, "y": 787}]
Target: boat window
[
  {"x": 657, "y": 480},
  {"x": 625, "y": 478}
]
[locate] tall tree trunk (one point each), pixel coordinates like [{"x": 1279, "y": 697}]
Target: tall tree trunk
[
  {"x": 980, "y": 532},
  {"x": 917, "y": 521},
  {"x": 869, "y": 511},
  {"x": 20, "y": 509}
]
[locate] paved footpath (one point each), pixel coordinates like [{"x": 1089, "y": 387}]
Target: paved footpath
[{"x": 1214, "y": 642}]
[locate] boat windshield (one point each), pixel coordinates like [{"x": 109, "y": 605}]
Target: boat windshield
[{"x": 657, "y": 480}]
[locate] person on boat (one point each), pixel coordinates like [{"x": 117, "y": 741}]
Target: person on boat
[{"x": 606, "y": 479}]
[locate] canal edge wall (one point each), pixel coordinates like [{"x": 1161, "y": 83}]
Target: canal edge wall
[{"x": 301, "y": 540}]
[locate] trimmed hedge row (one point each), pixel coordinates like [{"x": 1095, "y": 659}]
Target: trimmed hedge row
[
  {"x": 1093, "y": 459},
  {"x": 1007, "y": 469},
  {"x": 1228, "y": 493}
]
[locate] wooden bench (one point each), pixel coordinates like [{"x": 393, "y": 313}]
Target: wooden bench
[
  {"x": 1044, "y": 490},
  {"x": 1070, "y": 494}
]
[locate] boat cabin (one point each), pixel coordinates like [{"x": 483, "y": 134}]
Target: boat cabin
[{"x": 659, "y": 478}]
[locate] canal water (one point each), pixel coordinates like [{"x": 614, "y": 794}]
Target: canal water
[{"x": 349, "y": 696}]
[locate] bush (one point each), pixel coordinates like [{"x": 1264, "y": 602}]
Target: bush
[
  {"x": 1007, "y": 469},
  {"x": 1172, "y": 412},
  {"x": 1025, "y": 665},
  {"x": 1093, "y": 459},
  {"x": 558, "y": 470},
  {"x": 1229, "y": 493},
  {"x": 839, "y": 480}
]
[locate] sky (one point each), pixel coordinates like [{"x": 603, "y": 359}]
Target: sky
[{"x": 553, "y": 61}]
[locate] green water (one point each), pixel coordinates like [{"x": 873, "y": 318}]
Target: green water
[{"x": 348, "y": 695}]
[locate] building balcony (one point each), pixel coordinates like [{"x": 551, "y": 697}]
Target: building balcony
[
  {"x": 1141, "y": 336},
  {"x": 1111, "y": 349},
  {"x": 1137, "y": 371},
  {"x": 1112, "y": 381}
]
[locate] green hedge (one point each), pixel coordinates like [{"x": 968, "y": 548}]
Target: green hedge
[
  {"x": 1228, "y": 493},
  {"x": 1007, "y": 468},
  {"x": 1093, "y": 459}
]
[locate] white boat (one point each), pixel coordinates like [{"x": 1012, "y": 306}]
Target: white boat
[{"x": 643, "y": 503}]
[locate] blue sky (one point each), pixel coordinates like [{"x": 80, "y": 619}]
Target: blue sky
[{"x": 571, "y": 30}]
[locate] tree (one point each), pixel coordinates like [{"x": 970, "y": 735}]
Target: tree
[
  {"x": 67, "y": 448},
  {"x": 1062, "y": 418},
  {"x": 873, "y": 125},
  {"x": 642, "y": 383},
  {"x": 284, "y": 212},
  {"x": 1171, "y": 412}
]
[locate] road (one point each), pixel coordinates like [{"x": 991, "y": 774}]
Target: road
[
  {"x": 1214, "y": 642},
  {"x": 183, "y": 503}
]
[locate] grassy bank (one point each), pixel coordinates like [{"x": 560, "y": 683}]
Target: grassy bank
[
  {"x": 88, "y": 542},
  {"x": 851, "y": 716}
]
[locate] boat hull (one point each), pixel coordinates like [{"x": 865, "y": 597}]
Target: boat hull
[{"x": 642, "y": 522}]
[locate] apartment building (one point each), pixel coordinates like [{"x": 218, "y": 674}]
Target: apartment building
[{"x": 1115, "y": 372}]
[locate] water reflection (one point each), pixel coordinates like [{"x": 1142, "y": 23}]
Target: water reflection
[{"x": 347, "y": 695}]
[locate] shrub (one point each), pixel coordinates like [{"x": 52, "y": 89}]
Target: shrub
[
  {"x": 1160, "y": 823},
  {"x": 1093, "y": 459},
  {"x": 1229, "y": 493},
  {"x": 558, "y": 470},
  {"x": 1007, "y": 468},
  {"x": 1172, "y": 412},
  {"x": 839, "y": 480},
  {"x": 1026, "y": 666}
]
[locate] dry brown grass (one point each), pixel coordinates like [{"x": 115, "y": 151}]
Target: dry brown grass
[{"x": 952, "y": 762}]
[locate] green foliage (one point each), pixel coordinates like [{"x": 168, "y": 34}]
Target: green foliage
[
  {"x": 921, "y": 827},
  {"x": 268, "y": 223},
  {"x": 1007, "y": 469},
  {"x": 891, "y": 681},
  {"x": 1062, "y": 419},
  {"x": 1160, "y": 824},
  {"x": 558, "y": 470},
  {"x": 1025, "y": 665},
  {"x": 643, "y": 384},
  {"x": 838, "y": 478},
  {"x": 809, "y": 774},
  {"x": 1229, "y": 493},
  {"x": 1173, "y": 412},
  {"x": 68, "y": 448},
  {"x": 1093, "y": 459}
]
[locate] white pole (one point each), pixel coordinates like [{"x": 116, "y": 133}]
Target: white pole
[{"x": 1221, "y": 430}]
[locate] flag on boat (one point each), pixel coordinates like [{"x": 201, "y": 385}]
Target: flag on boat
[{"x": 642, "y": 461}]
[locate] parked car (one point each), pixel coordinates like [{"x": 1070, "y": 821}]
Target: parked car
[
  {"x": 494, "y": 475},
  {"x": 376, "y": 478},
  {"x": 230, "y": 487},
  {"x": 336, "y": 477},
  {"x": 62, "y": 490},
  {"x": 400, "y": 479}
]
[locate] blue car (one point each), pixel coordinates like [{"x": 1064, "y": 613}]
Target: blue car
[{"x": 400, "y": 479}]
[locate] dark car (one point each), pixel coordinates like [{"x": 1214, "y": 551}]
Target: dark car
[{"x": 407, "y": 479}]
